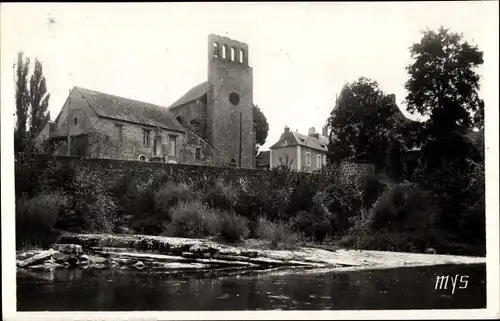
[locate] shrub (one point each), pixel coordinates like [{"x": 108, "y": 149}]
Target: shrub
[
  {"x": 403, "y": 207},
  {"x": 192, "y": 219},
  {"x": 250, "y": 207},
  {"x": 99, "y": 214},
  {"x": 371, "y": 187},
  {"x": 169, "y": 195},
  {"x": 222, "y": 196},
  {"x": 343, "y": 201},
  {"x": 278, "y": 232},
  {"x": 233, "y": 227},
  {"x": 35, "y": 218},
  {"x": 311, "y": 225}
]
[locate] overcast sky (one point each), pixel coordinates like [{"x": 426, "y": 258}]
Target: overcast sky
[{"x": 301, "y": 53}]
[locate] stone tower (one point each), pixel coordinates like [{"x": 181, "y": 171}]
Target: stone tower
[{"x": 229, "y": 114}]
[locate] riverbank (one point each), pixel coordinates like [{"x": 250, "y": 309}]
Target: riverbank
[{"x": 156, "y": 253}]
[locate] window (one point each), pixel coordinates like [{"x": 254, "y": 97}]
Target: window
[
  {"x": 308, "y": 159},
  {"x": 233, "y": 54},
  {"x": 172, "y": 146},
  {"x": 318, "y": 161},
  {"x": 119, "y": 132},
  {"x": 197, "y": 153},
  {"x": 224, "y": 52},
  {"x": 142, "y": 158},
  {"x": 324, "y": 160},
  {"x": 75, "y": 121},
  {"x": 216, "y": 50},
  {"x": 146, "y": 139},
  {"x": 242, "y": 56}
]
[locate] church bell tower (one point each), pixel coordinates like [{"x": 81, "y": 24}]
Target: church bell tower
[{"x": 230, "y": 127}]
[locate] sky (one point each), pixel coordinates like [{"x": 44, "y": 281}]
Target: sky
[{"x": 301, "y": 53}]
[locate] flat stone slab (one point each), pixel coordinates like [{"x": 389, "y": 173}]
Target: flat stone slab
[{"x": 202, "y": 251}]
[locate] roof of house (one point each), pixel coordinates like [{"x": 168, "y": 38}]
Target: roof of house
[
  {"x": 194, "y": 93},
  {"x": 295, "y": 138},
  {"x": 115, "y": 107},
  {"x": 264, "y": 159}
]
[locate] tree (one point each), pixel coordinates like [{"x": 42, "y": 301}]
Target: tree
[
  {"x": 444, "y": 86},
  {"x": 39, "y": 100},
  {"x": 365, "y": 124},
  {"x": 22, "y": 101},
  {"x": 261, "y": 127}
]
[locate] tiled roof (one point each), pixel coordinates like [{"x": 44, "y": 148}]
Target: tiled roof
[
  {"x": 294, "y": 139},
  {"x": 130, "y": 110},
  {"x": 194, "y": 93}
]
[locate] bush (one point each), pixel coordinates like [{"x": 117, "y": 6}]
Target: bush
[
  {"x": 222, "y": 196},
  {"x": 403, "y": 207},
  {"x": 192, "y": 219},
  {"x": 343, "y": 201},
  {"x": 169, "y": 195},
  {"x": 311, "y": 225},
  {"x": 35, "y": 218},
  {"x": 278, "y": 232},
  {"x": 99, "y": 214},
  {"x": 233, "y": 227}
]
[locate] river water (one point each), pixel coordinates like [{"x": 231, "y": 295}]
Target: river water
[{"x": 127, "y": 290}]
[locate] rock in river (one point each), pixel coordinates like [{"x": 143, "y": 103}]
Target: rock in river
[
  {"x": 72, "y": 249},
  {"x": 36, "y": 259}
]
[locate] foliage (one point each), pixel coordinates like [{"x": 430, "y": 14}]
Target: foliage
[
  {"x": 31, "y": 103},
  {"x": 22, "y": 101},
  {"x": 443, "y": 86},
  {"x": 403, "y": 207},
  {"x": 169, "y": 195},
  {"x": 277, "y": 232},
  {"x": 192, "y": 219},
  {"x": 39, "y": 100},
  {"x": 222, "y": 196},
  {"x": 367, "y": 124},
  {"x": 35, "y": 218},
  {"x": 261, "y": 125},
  {"x": 233, "y": 227}
]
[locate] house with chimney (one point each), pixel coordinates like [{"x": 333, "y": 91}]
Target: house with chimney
[{"x": 300, "y": 152}]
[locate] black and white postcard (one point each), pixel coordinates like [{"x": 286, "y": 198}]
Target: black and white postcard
[{"x": 329, "y": 160}]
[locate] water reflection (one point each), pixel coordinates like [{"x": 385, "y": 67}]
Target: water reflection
[{"x": 98, "y": 290}]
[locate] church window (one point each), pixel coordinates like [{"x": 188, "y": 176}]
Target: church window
[
  {"x": 172, "y": 146},
  {"x": 232, "y": 161},
  {"x": 233, "y": 54},
  {"x": 143, "y": 158},
  {"x": 224, "y": 52},
  {"x": 242, "y": 56},
  {"x": 119, "y": 132},
  {"x": 216, "y": 49},
  {"x": 146, "y": 137},
  {"x": 197, "y": 153},
  {"x": 234, "y": 98}
]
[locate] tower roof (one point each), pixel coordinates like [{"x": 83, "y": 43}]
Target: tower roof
[{"x": 194, "y": 93}]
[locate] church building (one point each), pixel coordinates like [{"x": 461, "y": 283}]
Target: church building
[{"x": 212, "y": 124}]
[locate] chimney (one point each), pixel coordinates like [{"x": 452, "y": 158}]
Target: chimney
[
  {"x": 325, "y": 131},
  {"x": 312, "y": 131},
  {"x": 287, "y": 129},
  {"x": 315, "y": 135}
]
